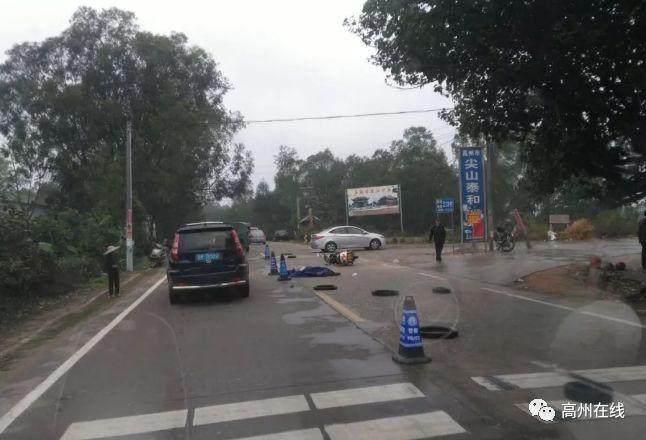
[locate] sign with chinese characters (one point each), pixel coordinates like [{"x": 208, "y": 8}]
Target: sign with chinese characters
[
  {"x": 373, "y": 200},
  {"x": 613, "y": 410},
  {"x": 444, "y": 206},
  {"x": 584, "y": 411},
  {"x": 409, "y": 329},
  {"x": 563, "y": 219},
  {"x": 472, "y": 194}
]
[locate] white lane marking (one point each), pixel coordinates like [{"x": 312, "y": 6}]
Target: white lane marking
[
  {"x": 246, "y": 410},
  {"x": 397, "y": 428},
  {"x": 560, "y": 306},
  {"x": 548, "y": 379},
  {"x": 360, "y": 396},
  {"x": 486, "y": 383},
  {"x": 41, "y": 388},
  {"x": 126, "y": 425},
  {"x": 392, "y": 266},
  {"x": 303, "y": 434},
  {"x": 431, "y": 276}
]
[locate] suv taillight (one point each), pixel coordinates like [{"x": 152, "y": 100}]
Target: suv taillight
[
  {"x": 174, "y": 252},
  {"x": 236, "y": 240}
]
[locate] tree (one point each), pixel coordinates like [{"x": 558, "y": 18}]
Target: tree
[
  {"x": 65, "y": 101},
  {"x": 323, "y": 176},
  {"x": 563, "y": 78}
]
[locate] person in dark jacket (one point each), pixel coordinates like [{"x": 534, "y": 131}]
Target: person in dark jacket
[
  {"x": 438, "y": 236},
  {"x": 641, "y": 235},
  {"x": 112, "y": 269}
]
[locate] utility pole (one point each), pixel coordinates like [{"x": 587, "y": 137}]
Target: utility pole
[
  {"x": 129, "y": 242},
  {"x": 490, "y": 225},
  {"x": 298, "y": 212}
]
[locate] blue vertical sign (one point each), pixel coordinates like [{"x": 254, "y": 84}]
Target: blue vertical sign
[{"x": 472, "y": 194}]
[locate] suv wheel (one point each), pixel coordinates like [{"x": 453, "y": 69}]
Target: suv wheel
[
  {"x": 173, "y": 297},
  {"x": 330, "y": 246},
  {"x": 243, "y": 291}
]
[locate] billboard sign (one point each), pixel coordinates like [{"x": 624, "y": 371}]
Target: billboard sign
[
  {"x": 559, "y": 219},
  {"x": 444, "y": 206},
  {"x": 472, "y": 194},
  {"x": 373, "y": 200}
]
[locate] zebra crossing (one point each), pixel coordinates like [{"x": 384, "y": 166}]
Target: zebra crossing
[
  {"x": 622, "y": 404},
  {"x": 427, "y": 424}
]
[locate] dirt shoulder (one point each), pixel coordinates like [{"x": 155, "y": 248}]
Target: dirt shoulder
[
  {"x": 578, "y": 280},
  {"x": 50, "y": 318}
]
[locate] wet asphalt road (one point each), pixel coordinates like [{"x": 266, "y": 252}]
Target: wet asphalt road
[
  {"x": 168, "y": 366},
  {"x": 204, "y": 369}
]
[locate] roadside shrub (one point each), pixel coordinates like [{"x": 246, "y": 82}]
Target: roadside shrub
[
  {"x": 614, "y": 223},
  {"x": 51, "y": 254},
  {"x": 536, "y": 229},
  {"x": 579, "y": 230}
]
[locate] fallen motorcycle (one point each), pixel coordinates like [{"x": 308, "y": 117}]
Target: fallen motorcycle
[
  {"x": 157, "y": 256},
  {"x": 505, "y": 241},
  {"x": 345, "y": 258}
]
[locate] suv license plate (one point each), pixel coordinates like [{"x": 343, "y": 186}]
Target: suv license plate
[{"x": 207, "y": 257}]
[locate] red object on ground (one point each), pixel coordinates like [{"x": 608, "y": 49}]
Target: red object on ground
[
  {"x": 595, "y": 261},
  {"x": 519, "y": 220}
]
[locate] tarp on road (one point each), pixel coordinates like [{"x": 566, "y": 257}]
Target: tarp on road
[{"x": 312, "y": 271}]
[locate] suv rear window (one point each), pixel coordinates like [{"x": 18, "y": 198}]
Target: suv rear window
[{"x": 214, "y": 240}]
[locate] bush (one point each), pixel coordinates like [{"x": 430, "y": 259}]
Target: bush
[
  {"x": 579, "y": 230},
  {"x": 537, "y": 230},
  {"x": 53, "y": 254},
  {"x": 615, "y": 223}
]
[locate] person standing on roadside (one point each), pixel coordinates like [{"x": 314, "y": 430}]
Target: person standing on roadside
[
  {"x": 112, "y": 269},
  {"x": 438, "y": 236},
  {"x": 641, "y": 235}
]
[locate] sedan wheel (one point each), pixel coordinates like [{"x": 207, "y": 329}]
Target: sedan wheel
[
  {"x": 330, "y": 246},
  {"x": 375, "y": 244}
]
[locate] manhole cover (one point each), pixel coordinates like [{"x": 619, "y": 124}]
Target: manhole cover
[
  {"x": 385, "y": 292},
  {"x": 325, "y": 287},
  {"x": 437, "y": 332},
  {"x": 441, "y": 290}
]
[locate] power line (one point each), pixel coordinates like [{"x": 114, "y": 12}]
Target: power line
[{"x": 358, "y": 115}]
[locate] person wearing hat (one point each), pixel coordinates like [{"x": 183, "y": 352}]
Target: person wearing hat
[{"x": 112, "y": 269}]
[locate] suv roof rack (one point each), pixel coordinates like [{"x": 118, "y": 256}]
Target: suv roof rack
[{"x": 204, "y": 224}]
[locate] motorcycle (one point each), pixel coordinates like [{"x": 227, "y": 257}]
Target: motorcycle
[
  {"x": 505, "y": 241},
  {"x": 157, "y": 255},
  {"x": 345, "y": 258}
]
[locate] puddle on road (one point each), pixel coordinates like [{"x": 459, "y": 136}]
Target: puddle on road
[
  {"x": 345, "y": 337},
  {"x": 321, "y": 314}
]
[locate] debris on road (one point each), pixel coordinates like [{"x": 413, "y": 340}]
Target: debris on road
[
  {"x": 385, "y": 292},
  {"x": 441, "y": 290},
  {"x": 438, "y": 332},
  {"x": 588, "y": 392},
  {"x": 325, "y": 287}
]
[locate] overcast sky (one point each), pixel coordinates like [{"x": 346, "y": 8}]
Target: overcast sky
[{"x": 283, "y": 58}]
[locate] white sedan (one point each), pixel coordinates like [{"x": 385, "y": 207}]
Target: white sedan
[{"x": 346, "y": 237}]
